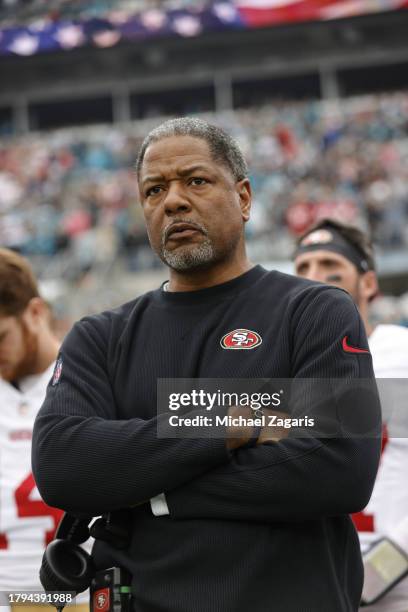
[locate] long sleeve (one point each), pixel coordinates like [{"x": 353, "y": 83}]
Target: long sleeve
[
  {"x": 85, "y": 459},
  {"x": 303, "y": 478}
]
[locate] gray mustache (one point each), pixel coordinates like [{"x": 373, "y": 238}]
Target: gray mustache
[{"x": 167, "y": 229}]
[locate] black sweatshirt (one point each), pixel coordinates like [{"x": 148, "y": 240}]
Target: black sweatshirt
[{"x": 255, "y": 530}]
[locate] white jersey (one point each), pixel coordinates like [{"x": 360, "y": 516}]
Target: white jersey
[
  {"x": 27, "y": 524},
  {"x": 387, "y": 511}
]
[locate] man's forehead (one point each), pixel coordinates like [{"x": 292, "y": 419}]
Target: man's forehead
[
  {"x": 177, "y": 147},
  {"x": 175, "y": 152}
]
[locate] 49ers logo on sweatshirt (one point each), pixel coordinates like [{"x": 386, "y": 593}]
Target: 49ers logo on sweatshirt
[{"x": 241, "y": 339}]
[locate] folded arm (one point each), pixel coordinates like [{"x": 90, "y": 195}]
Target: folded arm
[
  {"x": 85, "y": 459},
  {"x": 303, "y": 478}
]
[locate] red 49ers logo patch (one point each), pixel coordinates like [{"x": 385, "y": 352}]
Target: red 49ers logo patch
[
  {"x": 241, "y": 339},
  {"x": 101, "y": 600}
]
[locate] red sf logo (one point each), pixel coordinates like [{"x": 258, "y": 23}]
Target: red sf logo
[
  {"x": 101, "y": 599},
  {"x": 241, "y": 339}
]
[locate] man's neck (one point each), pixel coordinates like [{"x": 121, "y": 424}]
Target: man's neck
[
  {"x": 203, "y": 279},
  {"x": 369, "y": 329},
  {"x": 363, "y": 309},
  {"x": 47, "y": 353}
]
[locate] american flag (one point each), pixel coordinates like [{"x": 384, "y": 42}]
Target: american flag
[{"x": 259, "y": 13}]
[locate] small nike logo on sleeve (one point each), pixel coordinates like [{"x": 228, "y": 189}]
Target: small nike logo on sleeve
[{"x": 352, "y": 349}]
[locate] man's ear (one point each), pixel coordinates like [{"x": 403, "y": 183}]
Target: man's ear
[
  {"x": 35, "y": 313},
  {"x": 368, "y": 285},
  {"x": 245, "y": 198}
]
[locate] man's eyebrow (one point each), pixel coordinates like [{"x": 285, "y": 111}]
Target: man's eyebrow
[
  {"x": 153, "y": 178},
  {"x": 184, "y": 172}
]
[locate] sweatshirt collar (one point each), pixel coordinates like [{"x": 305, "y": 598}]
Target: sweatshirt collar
[{"x": 216, "y": 292}]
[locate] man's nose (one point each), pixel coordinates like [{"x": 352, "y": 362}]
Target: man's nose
[
  {"x": 176, "y": 199},
  {"x": 316, "y": 273}
]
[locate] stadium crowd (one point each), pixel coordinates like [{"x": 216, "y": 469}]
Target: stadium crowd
[
  {"x": 76, "y": 189},
  {"x": 18, "y": 11}
]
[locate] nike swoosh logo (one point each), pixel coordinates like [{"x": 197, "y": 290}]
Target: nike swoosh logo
[{"x": 352, "y": 349}]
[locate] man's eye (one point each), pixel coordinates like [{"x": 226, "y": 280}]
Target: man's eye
[
  {"x": 153, "y": 190},
  {"x": 198, "y": 181}
]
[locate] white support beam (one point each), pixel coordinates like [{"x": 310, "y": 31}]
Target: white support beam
[
  {"x": 223, "y": 92},
  {"x": 121, "y": 105},
  {"x": 329, "y": 84},
  {"x": 21, "y": 120}
]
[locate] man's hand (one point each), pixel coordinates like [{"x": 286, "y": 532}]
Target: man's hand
[
  {"x": 239, "y": 435},
  {"x": 272, "y": 433}
]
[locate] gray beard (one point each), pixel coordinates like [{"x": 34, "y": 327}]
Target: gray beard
[{"x": 183, "y": 260}]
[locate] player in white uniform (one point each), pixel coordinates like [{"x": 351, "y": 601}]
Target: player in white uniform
[
  {"x": 28, "y": 349},
  {"x": 389, "y": 501},
  {"x": 333, "y": 253}
]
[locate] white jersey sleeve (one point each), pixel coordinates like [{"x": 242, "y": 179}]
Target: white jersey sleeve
[
  {"x": 387, "y": 511},
  {"x": 26, "y": 523}
]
